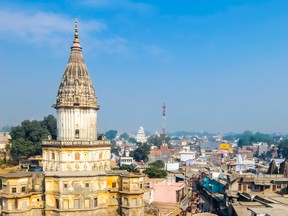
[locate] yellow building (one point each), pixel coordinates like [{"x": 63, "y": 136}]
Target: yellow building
[
  {"x": 22, "y": 194},
  {"x": 77, "y": 178}
]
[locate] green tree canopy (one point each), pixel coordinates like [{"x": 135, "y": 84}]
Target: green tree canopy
[
  {"x": 156, "y": 169},
  {"x": 283, "y": 149},
  {"x": 157, "y": 141},
  {"x": 158, "y": 164},
  {"x": 50, "y": 123},
  {"x": 124, "y": 136},
  {"x": 26, "y": 138},
  {"x": 247, "y": 138},
  {"x": 111, "y": 134},
  {"x": 141, "y": 152}
]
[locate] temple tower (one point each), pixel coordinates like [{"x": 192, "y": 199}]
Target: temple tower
[{"x": 77, "y": 147}]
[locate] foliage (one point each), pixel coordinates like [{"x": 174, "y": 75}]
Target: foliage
[
  {"x": 115, "y": 150},
  {"x": 124, "y": 136},
  {"x": 156, "y": 169},
  {"x": 157, "y": 141},
  {"x": 129, "y": 168},
  {"x": 27, "y": 137},
  {"x": 158, "y": 164},
  {"x": 50, "y": 123},
  {"x": 111, "y": 134},
  {"x": 132, "y": 140},
  {"x": 141, "y": 152},
  {"x": 247, "y": 138},
  {"x": 283, "y": 149}
]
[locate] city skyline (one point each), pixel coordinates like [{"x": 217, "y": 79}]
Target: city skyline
[{"x": 219, "y": 67}]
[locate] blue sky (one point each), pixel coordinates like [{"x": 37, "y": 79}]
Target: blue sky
[{"x": 219, "y": 66}]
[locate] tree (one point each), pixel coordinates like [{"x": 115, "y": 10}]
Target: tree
[
  {"x": 158, "y": 164},
  {"x": 283, "y": 149},
  {"x": 247, "y": 138},
  {"x": 26, "y": 139},
  {"x": 124, "y": 136},
  {"x": 111, "y": 134},
  {"x": 141, "y": 152},
  {"x": 157, "y": 141},
  {"x": 50, "y": 123},
  {"x": 132, "y": 140},
  {"x": 154, "y": 172}
]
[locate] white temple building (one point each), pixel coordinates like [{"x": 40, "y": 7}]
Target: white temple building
[{"x": 140, "y": 137}]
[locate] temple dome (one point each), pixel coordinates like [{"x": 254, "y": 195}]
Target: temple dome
[{"x": 76, "y": 88}]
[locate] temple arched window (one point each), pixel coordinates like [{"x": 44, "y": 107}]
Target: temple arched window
[
  {"x": 53, "y": 156},
  {"x": 77, "y": 156},
  {"x": 77, "y": 134},
  {"x": 100, "y": 155}
]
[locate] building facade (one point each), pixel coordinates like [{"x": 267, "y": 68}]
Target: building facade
[{"x": 77, "y": 178}]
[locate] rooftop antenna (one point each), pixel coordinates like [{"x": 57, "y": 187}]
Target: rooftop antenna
[{"x": 164, "y": 124}]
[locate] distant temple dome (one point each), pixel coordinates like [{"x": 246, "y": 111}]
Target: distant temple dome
[{"x": 140, "y": 137}]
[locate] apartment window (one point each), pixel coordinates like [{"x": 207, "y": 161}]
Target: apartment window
[
  {"x": 95, "y": 202},
  {"x": 113, "y": 184},
  {"x": 23, "y": 189},
  {"x": 57, "y": 203},
  {"x": 13, "y": 189}
]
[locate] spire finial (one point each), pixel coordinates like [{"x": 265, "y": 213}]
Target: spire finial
[{"x": 76, "y": 39}]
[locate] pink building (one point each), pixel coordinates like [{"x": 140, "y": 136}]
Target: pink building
[{"x": 168, "y": 192}]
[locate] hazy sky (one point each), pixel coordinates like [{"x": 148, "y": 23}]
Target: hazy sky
[{"x": 219, "y": 66}]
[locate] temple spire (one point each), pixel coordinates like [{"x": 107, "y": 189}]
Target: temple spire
[{"x": 76, "y": 39}]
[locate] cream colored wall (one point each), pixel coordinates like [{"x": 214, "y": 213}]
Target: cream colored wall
[
  {"x": 90, "y": 159},
  {"x": 70, "y": 119}
]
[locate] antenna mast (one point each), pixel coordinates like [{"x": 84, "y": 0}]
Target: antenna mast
[{"x": 164, "y": 124}]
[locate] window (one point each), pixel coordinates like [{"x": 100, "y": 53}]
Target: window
[
  {"x": 134, "y": 202},
  {"x": 77, "y": 156},
  {"x": 86, "y": 184},
  {"x": 95, "y": 202},
  {"x": 13, "y": 189},
  {"x": 76, "y": 204},
  {"x": 267, "y": 187},
  {"x": 113, "y": 184},
  {"x": 23, "y": 189},
  {"x": 77, "y": 134},
  {"x": 65, "y": 185},
  {"x": 141, "y": 185},
  {"x": 57, "y": 203},
  {"x": 278, "y": 186},
  {"x": 100, "y": 155},
  {"x": 53, "y": 156}
]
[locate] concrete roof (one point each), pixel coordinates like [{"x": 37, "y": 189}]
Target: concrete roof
[{"x": 16, "y": 175}]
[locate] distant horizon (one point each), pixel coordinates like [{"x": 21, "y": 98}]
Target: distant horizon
[{"x": 218, "y": 66}]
